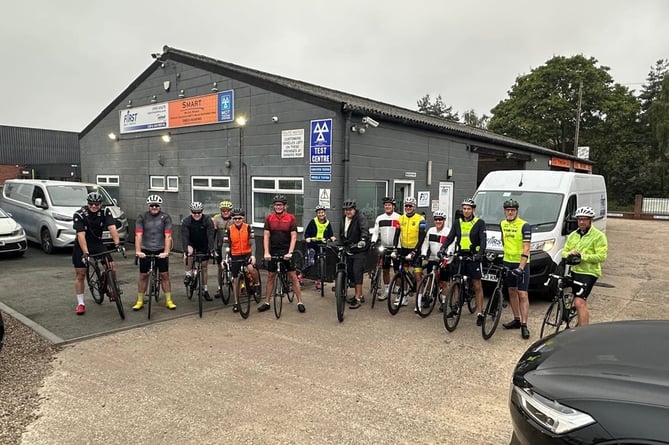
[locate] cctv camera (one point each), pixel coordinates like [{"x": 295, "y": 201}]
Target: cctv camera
[
  {"x": 369, "y": 121},
  {"x": 275, "y": 119}
]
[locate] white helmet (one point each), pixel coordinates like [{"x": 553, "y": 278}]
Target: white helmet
[
  {"x": 439, "y": 214},
  {"x": 154, "y": 199},
  {"x": 410, "y": 200},
  {"x": 584, "y": 211},
  {"x": 196, "y": 206}
]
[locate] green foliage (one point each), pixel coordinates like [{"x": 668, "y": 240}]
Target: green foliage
[
  {"x": 470, "y": 118},
  {"x": 437, "y": 108}
]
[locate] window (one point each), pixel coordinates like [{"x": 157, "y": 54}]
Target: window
[
  {"x": 368, "y": 197},
  {"x": 210, "y": 190},
  {"x": 264, "y": 190},
  {"x": 164, "y": 183},
  {"x": 110, "y": 183}
]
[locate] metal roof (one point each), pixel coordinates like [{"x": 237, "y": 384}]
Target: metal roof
[{"x": 23, "y": 146}]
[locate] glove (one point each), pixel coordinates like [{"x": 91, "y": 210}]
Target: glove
[
  {"x": 518, "y": 271},
  {"x": 409, "y": 256},
  {"x": 85, "y": 258},
  {"x": 393, "y": 255},
  {"x": 361, "y": 244},
  {"x": 213, "y": 253},
  {"x": 120, "y": 249}
]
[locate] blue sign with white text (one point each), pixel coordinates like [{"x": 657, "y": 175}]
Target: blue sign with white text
[
  {"x": 320, "y": 147},
  {"x": 226, "y": 106}
]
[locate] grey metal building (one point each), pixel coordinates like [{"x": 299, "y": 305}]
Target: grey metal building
[{"x": 194, "y": 128}]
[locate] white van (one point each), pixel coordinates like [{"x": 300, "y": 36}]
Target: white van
[
  {"x": 547, "y": 201},
  {"x": 45, "y": 208}
]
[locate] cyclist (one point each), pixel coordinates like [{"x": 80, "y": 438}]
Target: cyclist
[
  {"x": 89, "y": 222},
  {"x": 471, "y": 235},
  {"x": 432, "y": 246},
  {"x": 386, "y": 226},
  {"x": 410, "y": 238},
  {"x": 153, "y": 236},
  {"x": 355, "y": 235},
  {"x": 242, "y": 247},
  {"x": 590, "y": 245},
  {"x": 197, "y": 236},
  {"x": 319, "y": 229},
  {"x": 516, "y": 238},
  {"x": 222, "y": 223},
  {"x": 279, "y": 238}
]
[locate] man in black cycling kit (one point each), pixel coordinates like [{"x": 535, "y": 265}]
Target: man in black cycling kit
[
  {"x": 90, "y": 222},
  {"x": 197, "y": 236}
]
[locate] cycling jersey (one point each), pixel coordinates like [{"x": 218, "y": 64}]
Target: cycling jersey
[
  {"x": 514, "y": 234},
  {"x": 280, "y": 227},
  {"x": 593, "y": 247},
  {"x": 385, "y": 228},
  {"x": 153, "y": 228},
  {"x": 198, "y": 234},
  {"x": 433, "y": 242},
  {"x": 222, "y": 225},
  {"x": 93, "y": 223},
  {"x": 412, "y": 231}
]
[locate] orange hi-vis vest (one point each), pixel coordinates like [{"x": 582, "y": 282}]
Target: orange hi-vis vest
[{"x": 240, "y": 239}]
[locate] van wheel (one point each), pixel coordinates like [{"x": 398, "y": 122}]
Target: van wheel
[{"x": 46, "y": 241}]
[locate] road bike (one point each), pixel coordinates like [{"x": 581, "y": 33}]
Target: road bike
[
  {"x": 402, "y": 285},
  {"x": 428, "y": 290},
  {"x": 153, "y": 282},
  {"x": 320, "y": 264},
  {"x": 460, "y": 291},
  {"x": 247, "y": 288},
  {"x": 561, "y": 314},
  {"x": 376, "y": 288},
  {"x": 101, "y": 279},
  {"x": 225, "y": 276},
  {"x": 196, "y": 281},
  {"x": 282, "y": 286},
  {"x": 341, "y": 278},
  {"x": 497, "y": 272}
]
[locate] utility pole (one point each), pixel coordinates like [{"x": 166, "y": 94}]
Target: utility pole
[{"x": 578, "y": 116}]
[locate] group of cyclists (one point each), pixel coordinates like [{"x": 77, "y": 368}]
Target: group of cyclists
[{"x": 405, "y": 237}]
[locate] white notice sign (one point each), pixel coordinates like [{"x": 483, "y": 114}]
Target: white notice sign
[{"x": 292, "y": 143}]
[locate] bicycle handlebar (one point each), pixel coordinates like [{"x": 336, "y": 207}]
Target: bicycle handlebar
[{"x": 568, "y": 280}]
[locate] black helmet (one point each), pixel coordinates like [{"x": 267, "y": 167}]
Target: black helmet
[
  {"x": 511, "y": 204},
  {"x": 279, "y": 198},
  {"x": 94, "y": 197},
  {"x": 238, "y": 212},
  {"x": 350, "y": 204},
  {"x": 388, "y": 200},
  {"x": 469, "y": 202}
]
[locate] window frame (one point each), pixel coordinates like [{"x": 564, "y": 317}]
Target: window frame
[{"x": 276, "y": 189}]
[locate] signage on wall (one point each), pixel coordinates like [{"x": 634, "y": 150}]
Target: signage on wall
[
  {"x": 292, "y": 143},
  {"x": 198, "y": 110},
  {"x": 320, "y": 142}
]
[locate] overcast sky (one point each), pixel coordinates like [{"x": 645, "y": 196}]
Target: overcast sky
[{"x": 64, "y": 61}]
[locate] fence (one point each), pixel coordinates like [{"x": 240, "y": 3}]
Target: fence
[{"x": 646, "y": 208}]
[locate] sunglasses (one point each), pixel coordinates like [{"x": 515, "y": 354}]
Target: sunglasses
[
  {"x": 154, "y": 206},
  {"x": 196, "y": 213},
  {"x": 98, "y": 204},
  {"x": 237, "y": 218},
  {"x": 438, "y": 219}
]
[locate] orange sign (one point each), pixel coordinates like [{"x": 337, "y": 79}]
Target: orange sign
[
  {"x": 197, "y": 110},
  {"x": 555, "y": 162},
  {"x": 582, "y": 166}
]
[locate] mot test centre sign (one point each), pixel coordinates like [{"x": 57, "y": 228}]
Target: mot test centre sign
[{"x": 320, "y": 150}]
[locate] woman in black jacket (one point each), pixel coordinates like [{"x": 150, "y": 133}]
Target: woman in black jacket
[{"x": 355, "y": 235}]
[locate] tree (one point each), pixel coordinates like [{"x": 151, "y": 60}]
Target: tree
[
  {"x": 437, "y": 108},
  {"x": 470, "y": 118}
]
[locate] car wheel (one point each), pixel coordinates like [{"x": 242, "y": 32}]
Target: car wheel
[{"x": 45, "y": 241}]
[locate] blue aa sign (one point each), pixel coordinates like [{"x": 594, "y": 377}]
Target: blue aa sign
[{"x": 320, "y": 146}]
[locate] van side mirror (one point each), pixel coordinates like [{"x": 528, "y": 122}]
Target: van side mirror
[
  {"x": 41, "y": 204},
  {"x": 570, "y": 225}
]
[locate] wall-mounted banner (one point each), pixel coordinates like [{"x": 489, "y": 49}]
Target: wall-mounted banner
[{"x": 198, "y": 110}]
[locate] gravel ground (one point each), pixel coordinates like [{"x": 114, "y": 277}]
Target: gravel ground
[{"x": 25, "y": 360}]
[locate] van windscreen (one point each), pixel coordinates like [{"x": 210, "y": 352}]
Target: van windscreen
[
  {"x": 71, "y": 195},
  {"x": 540, "y": 209}
]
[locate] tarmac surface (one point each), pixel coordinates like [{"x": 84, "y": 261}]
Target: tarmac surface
[{"x": 302, "y": 379}]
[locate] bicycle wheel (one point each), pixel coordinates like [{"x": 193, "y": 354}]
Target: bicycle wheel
[
  {"x": 492, "y": 313},
  {"x": 190, "y": 288},
  {"x": 471, "y": 298},
  {"x": 278, "y": 295},
  {"x": 257, "y": 292},
  {"x": 396, "y": 293},
  {"x": 571, "y": 315},
  {"x": 553, "y": 318},
  {"x": 426, "y": 296},
  {"x": 94, "y": 280},
  {"x": 340, "y": 294},
  {"x": 152, "y": 289},
  {"x": 298, "y": 261},
  {"x": 290, "y": 292},
  {"x": 376, "y": 280},
  {"x": 321, "y": 274},
  {"x": 453, "y": 308},
  {"x": 114, "y": 293},
  {"x": 244, "y": 296},
  {"x": 200, "y": 295},
  {"x": 226, "y": 287}
]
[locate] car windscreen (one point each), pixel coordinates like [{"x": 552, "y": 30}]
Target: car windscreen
[
  {"x": 73, "y": 195},
  {"x": 3, "y": 214},
  {"x": 540, "y": 209}
]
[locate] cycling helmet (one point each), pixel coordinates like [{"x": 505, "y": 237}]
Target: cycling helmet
[
  {"x": 469, "y": 202},
  {"x": 238, "y": 212},
  {"x": 439, "y": 214},
  {"x": 410, "y": 200},
  {"x": 511, "y": 204},
  {"x": 225, "y": 205},
  {"x": 196, "y": 206},
  {"x": 279, "y": 198},
  {"x": 388, "y": 200},
  {"x": 94, "y": 197},
  {"x": 319, "y": 207},
  {"x": 350, "y": 204},
  {"x": 154, "y": 199},
  {"x": 584, "y": 211}
]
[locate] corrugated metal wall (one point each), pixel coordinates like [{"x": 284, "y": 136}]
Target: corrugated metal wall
[{"x": 19, "y": 145}]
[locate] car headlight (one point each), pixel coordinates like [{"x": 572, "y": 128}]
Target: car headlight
[
  {"x": 61, "y": 217},
  {"x": 553, "y": 416},
  {"x": 18, "y": 232},
  {"x": 545, "y": 246}
]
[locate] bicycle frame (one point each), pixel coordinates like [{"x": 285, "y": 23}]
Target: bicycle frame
[
  {"x": 561, "y": 311},
  {"x": 101, "y": 279},
  {"x": 198, "y": 281},
  {"x": 281, "y": 286},
  {"x": 401, "y": 286}
]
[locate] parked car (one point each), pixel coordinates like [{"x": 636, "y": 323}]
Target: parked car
[
  {"x": 44, "y": 208},
  {"x": 605, "y": 383},
  {"x": 12, "y": 235}
]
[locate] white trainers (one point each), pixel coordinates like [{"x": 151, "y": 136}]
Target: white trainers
[
  {"x": 383, "y": 295},
  {"x": 405, "y": 301}
]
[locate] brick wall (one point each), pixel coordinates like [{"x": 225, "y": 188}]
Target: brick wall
[{"x": 9, "y": 172}]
